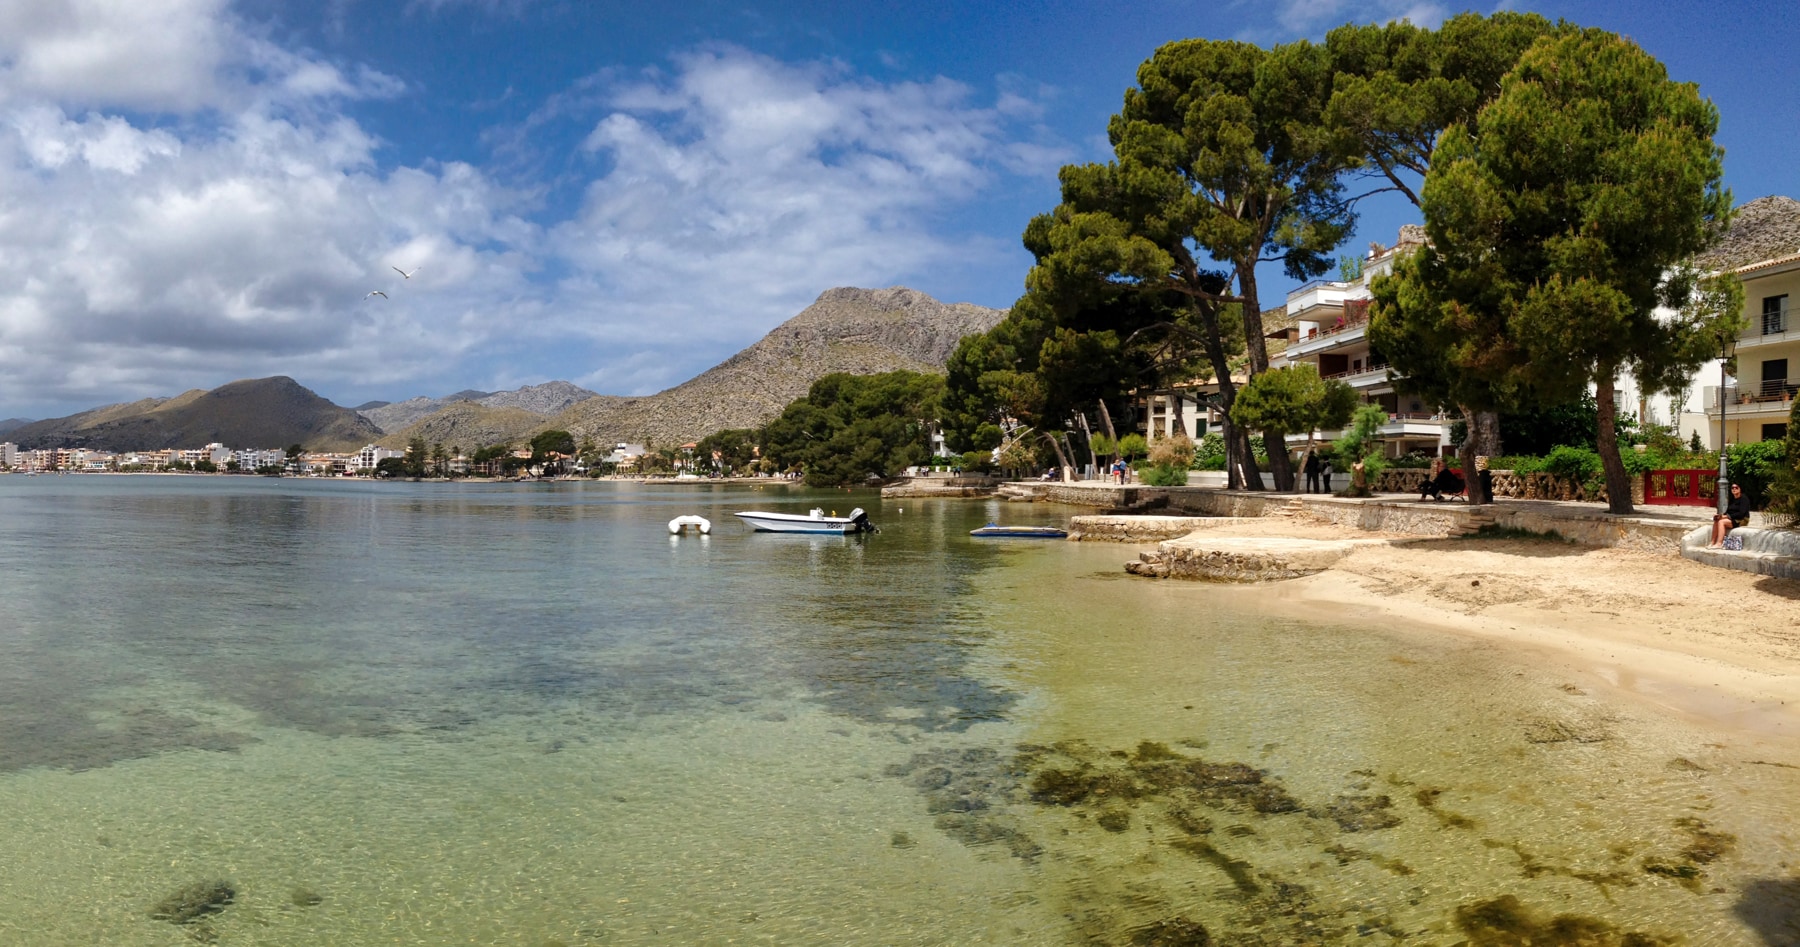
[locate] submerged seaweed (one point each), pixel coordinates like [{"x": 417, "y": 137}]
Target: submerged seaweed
[
  {"x": 1506, "y": 922},
  {"x": 193, "y": 901}
]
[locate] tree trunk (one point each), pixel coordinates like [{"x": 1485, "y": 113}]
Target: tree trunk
[
  {"x": 1257, "y": 348},
  {"x": 1485, "y": 432},
  {"x": 1089, "y": 435},
  {"x": 1482, "y": 440},
  {"x": 1061, "y": 457},
  {"x": 1106, "y": 418},
  {"x": 1618, "y": 482}
]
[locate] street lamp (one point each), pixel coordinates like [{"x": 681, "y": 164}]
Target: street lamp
[{"x": 1721, "y": 488}]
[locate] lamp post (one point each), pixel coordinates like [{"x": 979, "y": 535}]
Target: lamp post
[{"x": 1722, "y": 487}]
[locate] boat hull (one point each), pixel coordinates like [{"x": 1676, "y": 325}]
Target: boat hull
[
  {"x": 816, "y": 523},
  {"x": 1019, "y": 532}
]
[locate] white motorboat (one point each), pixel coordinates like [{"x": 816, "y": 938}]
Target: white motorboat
[{"x": 814, "y": 522}]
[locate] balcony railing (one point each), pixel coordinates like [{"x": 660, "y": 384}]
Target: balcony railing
[
  {"x": 1770, "y": 322},
  {"x": 1770, "y": 395}
]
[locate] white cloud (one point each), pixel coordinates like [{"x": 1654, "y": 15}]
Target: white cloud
[
  {"x": 1314, "y": 18},
  {"x": 142, "y": 256},
  {"x": 740, "y": 187}
]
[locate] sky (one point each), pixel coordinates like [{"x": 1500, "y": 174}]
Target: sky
[{"x": 615, "y": 194}]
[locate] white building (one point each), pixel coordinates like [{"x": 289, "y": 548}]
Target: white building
[
  {"x": 372, "y": 455},
  {"x": 1763, "y": 249},
  {"x": 9, "y": 454},
  {"x": 1330, "y": 332}
]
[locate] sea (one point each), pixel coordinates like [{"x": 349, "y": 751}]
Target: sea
[{"x": 252, "y": 711}]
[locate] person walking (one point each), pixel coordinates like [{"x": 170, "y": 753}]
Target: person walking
[{"x": 1118, "y": 470}]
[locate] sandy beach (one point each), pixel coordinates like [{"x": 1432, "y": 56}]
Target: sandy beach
[{"x": 1720, "y": 646}]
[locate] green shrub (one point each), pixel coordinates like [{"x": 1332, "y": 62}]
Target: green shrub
[
  {"x": 1521, "y": 464},
  {"x": 1580, "y": 464},
  {"x": 1209, "y": 452},
  {"x": 1160, "y": 476},
  {"x": 1757, "y": 466}
]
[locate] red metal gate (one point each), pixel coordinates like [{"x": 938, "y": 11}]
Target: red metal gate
[{"x": 1681, "y": 487}]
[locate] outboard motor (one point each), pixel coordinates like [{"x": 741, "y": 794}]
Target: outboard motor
[{"x": 861, "y": 520}]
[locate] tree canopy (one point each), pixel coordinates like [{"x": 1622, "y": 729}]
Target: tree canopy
[
  {"x": 1559, "y": 221},
  {"x": 849, "y": 427},
  {"x": 1145, "y": 273}
]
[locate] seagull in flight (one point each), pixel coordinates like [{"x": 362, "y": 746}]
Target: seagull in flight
[
  {"x": 404, "y": 274},
  {"x": 376, "y": 292}
]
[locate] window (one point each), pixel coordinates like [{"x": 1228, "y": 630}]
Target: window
[
  {"x": 1774, "y": 315},
  {"x": 1774, "y": 432},
  {"x": 1774, "y": 377}
]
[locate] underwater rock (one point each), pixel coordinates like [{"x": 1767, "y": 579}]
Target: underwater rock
[
  {"x": 305, "y": 898},
  {"x": 193, "y": 901}
]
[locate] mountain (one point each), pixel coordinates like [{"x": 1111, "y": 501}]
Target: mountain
[
  {"x": 261, "y": 412},
  {"x": 469, "y": 425},
  {"x": 10, "y": 424},
  {"x": 861, "y": 331},
  {"x": 545, "y": 399}
]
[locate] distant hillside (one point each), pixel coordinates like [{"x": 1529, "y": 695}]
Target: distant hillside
[
  {"x": 469, "y": 425},
  {"x": 861, "y": 331},
  {"x": 262, "y": 412},
  {"x": 11, "y": 424},
  {"x": 545, "y": 399}
]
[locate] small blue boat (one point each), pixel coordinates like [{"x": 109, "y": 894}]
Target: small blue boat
[{"x": 1020, "y": 532}]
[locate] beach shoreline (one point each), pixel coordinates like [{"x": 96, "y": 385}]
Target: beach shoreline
[{"x": 1715, "y": 646}]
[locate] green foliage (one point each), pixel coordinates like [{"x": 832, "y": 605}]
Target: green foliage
[
  {"x": 392, "y": 467},
  {"x": 1133, "y": 446},
  {"x": 1580, "y": 464},
  {"x": 1169, "y": 460},
  {"x": 205, "y": 466},
  {"x": 1757, "y": 466},
  {"x": 1103, "y": 446},
  {"x": 1156, "y": 476},
  {"x": 978, "y": 461},
  {"x": 1209, "y": 452},
  {"x": 1560, "y": 216},
  {"x": 1784, "y": 482},
  {"x": 549, "y": 442},
  {"x": 1293, "y": 400},
  {"x": 849, "y": 427},
  {"x": 1398, "y": 86},
  {"x": 294, "y": 451},
  {"x": 735, "y": 447}
]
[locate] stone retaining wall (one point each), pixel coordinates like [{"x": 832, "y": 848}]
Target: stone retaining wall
[
  {"x": 1141, "y": 529},
  {"x": 941, "y": 487}
]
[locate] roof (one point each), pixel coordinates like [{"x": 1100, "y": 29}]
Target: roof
[{"x": 1764, "y": 230}]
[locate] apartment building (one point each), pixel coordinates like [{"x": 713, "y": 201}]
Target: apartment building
[
  {"x": 1330, "y": 323},
  {"x": 1763, "y": 249}
]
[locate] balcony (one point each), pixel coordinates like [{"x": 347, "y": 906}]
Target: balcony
[
  {"x": 1364, "y": 379},
  {"x": 1770, "y": 399},
  {"x": 1348, "y": 330},
  {"x": 1768, "y": 328}
]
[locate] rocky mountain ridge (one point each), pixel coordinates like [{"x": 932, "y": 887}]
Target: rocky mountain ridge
[
  {"x": 260, "y": 412},
  {"x": 546, "y": 399},
  {"x": 860, "y": 331}
]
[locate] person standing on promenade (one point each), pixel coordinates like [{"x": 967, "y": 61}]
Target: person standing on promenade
[{"x": 1312, "y": 468}]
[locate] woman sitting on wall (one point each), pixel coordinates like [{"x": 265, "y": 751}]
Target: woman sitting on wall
[{"x": 1736, "y": 516}]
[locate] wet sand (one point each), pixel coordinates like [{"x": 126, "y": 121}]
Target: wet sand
[{"x": 1720, "y": 646}]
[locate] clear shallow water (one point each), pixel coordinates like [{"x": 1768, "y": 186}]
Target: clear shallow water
[{"x": 523, "y": 714}]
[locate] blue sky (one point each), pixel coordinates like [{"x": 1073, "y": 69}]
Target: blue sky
[{"x": 619, "y": 195}]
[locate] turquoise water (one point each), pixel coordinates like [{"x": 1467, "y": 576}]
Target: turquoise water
[{"x": 526, "y": 714}]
